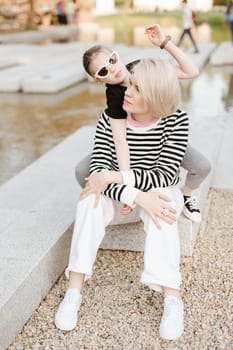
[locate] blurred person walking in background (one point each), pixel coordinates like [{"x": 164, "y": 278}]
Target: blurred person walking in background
[
  {"x": 70, "y": 11},
  {"x": 229, "y": 17},
  {"x": 188, "y": 24},
  {"x": 60, "y": 13}
]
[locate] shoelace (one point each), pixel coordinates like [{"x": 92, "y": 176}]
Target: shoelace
[{"x": 192, "y": 202}]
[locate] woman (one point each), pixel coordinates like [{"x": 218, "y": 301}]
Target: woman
[{"x": 157, "y": 134}]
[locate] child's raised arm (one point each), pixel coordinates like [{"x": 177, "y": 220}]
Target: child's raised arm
[{"x": 186, "y": 69}]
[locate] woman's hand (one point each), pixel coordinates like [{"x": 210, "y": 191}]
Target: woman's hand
[
  {"x": 155, "y": 34},
  {"x": 155, "y": 205},
  {"x": 125, "y": 210},
  {"x": 96, "y": 184}
]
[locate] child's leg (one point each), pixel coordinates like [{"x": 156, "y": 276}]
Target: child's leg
[
  {"x": 82, "y": 170},
  {"x": 198, "y": 167}
]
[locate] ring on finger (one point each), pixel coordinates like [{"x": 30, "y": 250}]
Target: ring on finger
[{"x": 165, "y": 212}]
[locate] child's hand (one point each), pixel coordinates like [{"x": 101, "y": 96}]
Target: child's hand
[
  {"x": 125, "y": 210},
  {"x": 155, "y": 34}
]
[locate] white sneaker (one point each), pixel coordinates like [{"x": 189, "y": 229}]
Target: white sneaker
[
  {"x": 172, "y": 323},
  {"x": 191, "y": 210},
  {"x": 67, "y": 314}
]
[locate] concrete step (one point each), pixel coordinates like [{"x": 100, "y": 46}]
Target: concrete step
[
  {"x": 204, "y": 55},
  {"x": 54, "y": 79},
  {"x": 55, "y": 33},
  {"x": 223, "y": 55},
  {"x": 39, "y": 72},
  {"x": 222, "y": 176},
  {"x": 37, "y": 208}
]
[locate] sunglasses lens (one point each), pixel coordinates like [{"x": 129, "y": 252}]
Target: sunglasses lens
[
  {"x": 113, "y": 59},
  {"x": 103, "y": 72}
]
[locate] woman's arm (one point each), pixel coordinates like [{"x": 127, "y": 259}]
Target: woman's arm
[{"x": 186, "y": 69}]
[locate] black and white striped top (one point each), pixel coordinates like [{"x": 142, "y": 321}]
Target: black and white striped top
[{"x": 156, "y": 152}]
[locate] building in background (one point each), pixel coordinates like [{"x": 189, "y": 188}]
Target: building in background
[
  {"x": 168, "y": 5},
  {"x": 103, "y": 7}
]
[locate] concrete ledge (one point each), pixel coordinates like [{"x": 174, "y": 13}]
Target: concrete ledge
[
  {"x": 55, "y": 33},
  {"x": 223, "y": 55},
  {"x": 38, "y": 72},
  {"x": 37, "y": 208}
]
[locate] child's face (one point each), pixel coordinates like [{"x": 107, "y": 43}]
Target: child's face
[{"x": 108, "y": 68}]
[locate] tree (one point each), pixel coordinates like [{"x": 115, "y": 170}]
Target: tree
[
  {"x": 220, "y": 2},
  {"x": 31, "y": 15},
  {"x": 127, "y": 5}
]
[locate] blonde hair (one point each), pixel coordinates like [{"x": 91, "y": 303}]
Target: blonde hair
[{"x": 158, "y": 83}]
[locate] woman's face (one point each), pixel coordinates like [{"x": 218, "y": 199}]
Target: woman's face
[
  {"x": 134, "y": 102},
  {"x": 108, "y": 68}
]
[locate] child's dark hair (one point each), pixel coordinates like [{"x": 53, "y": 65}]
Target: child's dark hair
[{"x": 91, "y": 54}]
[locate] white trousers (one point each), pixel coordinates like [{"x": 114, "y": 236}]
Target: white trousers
[{"x": 162, "y": 247}]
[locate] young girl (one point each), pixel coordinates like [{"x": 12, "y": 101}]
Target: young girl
[
  {"x": 157, "y": 135},
  {"x": 105, "y": 66}
]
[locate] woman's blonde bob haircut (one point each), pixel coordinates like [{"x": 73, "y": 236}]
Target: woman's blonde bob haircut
[{"x": 158, "y": 83}]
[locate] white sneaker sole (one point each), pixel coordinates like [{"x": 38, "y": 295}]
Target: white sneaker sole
[{"x": 195, "y": 218}]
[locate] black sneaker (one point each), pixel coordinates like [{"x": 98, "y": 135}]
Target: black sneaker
[{"x": 191, "y": 210}]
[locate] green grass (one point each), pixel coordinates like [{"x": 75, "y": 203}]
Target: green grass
[
  {"x": 164, "y": 19},
  {"x": 124, "y": 24},
  {"x": 212, "y": 18},
  {"x": 138, "y": 19}
]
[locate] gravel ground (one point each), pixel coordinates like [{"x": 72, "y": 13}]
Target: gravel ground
[{"x": 121, "y": 314}]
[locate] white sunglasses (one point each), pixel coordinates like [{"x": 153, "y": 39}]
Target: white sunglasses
[{"x": 103, "y": 72}]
